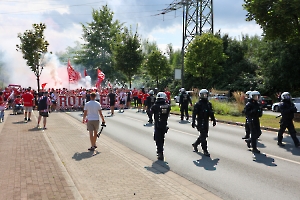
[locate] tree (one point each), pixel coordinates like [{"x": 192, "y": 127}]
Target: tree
[
  {"x": 236, "y": 65},
  {"x": 203, "y": 57},
  {"x": 278, "y": 19},
  {"x": 99, "y": 36},
  {"x": 157, "y": 66},
  {"x": 279, "y": 64},
  {"x": 34, "y": 47},
  {"x": 127, "y": 54}
]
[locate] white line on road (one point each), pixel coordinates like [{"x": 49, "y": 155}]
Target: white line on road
[{"x": 288, "y": 160}]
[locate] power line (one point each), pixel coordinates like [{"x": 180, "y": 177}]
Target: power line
[{"x": 197, "y": 15}]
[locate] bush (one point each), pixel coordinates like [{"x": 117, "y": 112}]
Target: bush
[{"x": 225, "y": 108}]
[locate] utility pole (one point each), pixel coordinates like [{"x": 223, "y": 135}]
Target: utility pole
[{"x": 197, "y": 19}]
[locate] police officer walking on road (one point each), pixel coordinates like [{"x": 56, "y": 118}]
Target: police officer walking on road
[
  {"x": 247, "y": 128},
  {"x": 161, "y": 111},
  {"x": 287, "y": 109},
  {"x": 184, "y": 101},
  {"x": 203, "y": 111},
  {"x": 254, "y": 111},
  {"x": 150, "y": 102}
]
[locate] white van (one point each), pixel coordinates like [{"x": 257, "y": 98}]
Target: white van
[{"x": 177, "y": 98}]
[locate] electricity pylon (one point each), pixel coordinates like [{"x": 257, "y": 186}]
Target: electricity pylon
[{"x": 197, "y": 19}]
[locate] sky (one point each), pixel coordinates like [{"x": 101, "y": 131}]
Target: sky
[{"x": 63, "y": 19}]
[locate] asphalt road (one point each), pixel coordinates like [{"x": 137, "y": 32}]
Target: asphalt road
[{"x": 230, "y": 172}]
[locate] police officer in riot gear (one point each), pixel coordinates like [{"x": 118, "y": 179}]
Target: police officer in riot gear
[
  {"x": 203, "y": 111},
  {"x": 150, "y": 101},
  {"x": 254, "y": 111},
  {"x": 161, "y": 111},
  {"x": 247, "y": 128},
  {"x": 184, "y": 101},
  {"x": 287, "y": 109}
]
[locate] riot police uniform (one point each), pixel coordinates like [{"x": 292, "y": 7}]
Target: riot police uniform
[
  {"x": 247, "y": 127},
  {"x": 184, "y": 101},
  {"x": 150, "y": 101},
  {"x": 203, "y": 111},
  {"x": 161, "y": 111},
  {"x": 254, "y": 111},
  {"x": 287, "y": 109}
]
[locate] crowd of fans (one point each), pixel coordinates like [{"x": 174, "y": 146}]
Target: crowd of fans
[{"x": 12, "y": 96}]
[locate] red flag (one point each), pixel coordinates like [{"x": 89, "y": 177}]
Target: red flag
[
  {"x": 74, "y": 76},
  {"x": 85, "y": 73},
  {"x": 109, "y": 85},
  {"x": 44, "y": 85},
  {"x": 101, "y": 75}
]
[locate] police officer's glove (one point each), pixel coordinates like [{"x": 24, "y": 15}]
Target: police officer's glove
[
  {"x": 293, "y": 109},
  {"x": 103, "y": 124},
  {"x": 193, "y": 125},
  {"x": 214, "y": 122}
]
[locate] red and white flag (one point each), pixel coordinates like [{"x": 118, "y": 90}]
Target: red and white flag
[
  {"x": 101, "y": 77},
  {"x": 74, "y": 76}
]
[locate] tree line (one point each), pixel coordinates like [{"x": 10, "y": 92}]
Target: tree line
[{"x": 267, "y": 63}]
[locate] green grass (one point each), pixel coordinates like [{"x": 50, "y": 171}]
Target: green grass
[{"x": 230, "y": 115}]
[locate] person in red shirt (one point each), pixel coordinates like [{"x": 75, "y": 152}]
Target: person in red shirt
[
  {"x": 145, "y": 95},
  {"x": 17, "y": 104},
  {"x": 168, "y": 93},
  {"x": 140, "y": 97},
  {"x": 6, "y": 95},
  {"x": 29, "y": 102},
  {"x": 2, "y": 107},
  {"x": 135, "y": 97}
]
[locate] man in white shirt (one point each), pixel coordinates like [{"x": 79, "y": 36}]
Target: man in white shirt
[
  {"x": 97, "y": 96},
  {"x": 92, "y": 110},
  {"x": 122, "y": 100}
]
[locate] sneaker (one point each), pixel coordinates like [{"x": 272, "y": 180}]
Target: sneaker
[
  {"x": 25, "y": 118},
  {"x": 280, "y": 144},
  {"x": 255, "y": 151},
  {"x": 91, "y": 148},
  {"x": 29, "y": 119},
  {"x": 206, "y": 153},
  {"x": 195, "y": 147}
]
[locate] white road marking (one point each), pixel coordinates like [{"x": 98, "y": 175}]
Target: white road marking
[{"x": 288, "y": 160}]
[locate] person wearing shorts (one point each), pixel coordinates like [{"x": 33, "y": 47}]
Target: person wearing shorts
[
  {"x": 112, "y": 101},
  {"x": 92, "y": 110},
  {"x": 29, "y": 101},
  {"x": 43, "y": 105}
]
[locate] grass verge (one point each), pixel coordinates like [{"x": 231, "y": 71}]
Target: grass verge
[{"x": 269, "y": 121}]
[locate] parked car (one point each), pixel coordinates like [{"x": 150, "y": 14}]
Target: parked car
[
  {"x": 296, "y": 101},
  {"x": 220, "y": 97},
  {"x": 177, "y": 97},
  {"x": 266, "y": 102}
]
